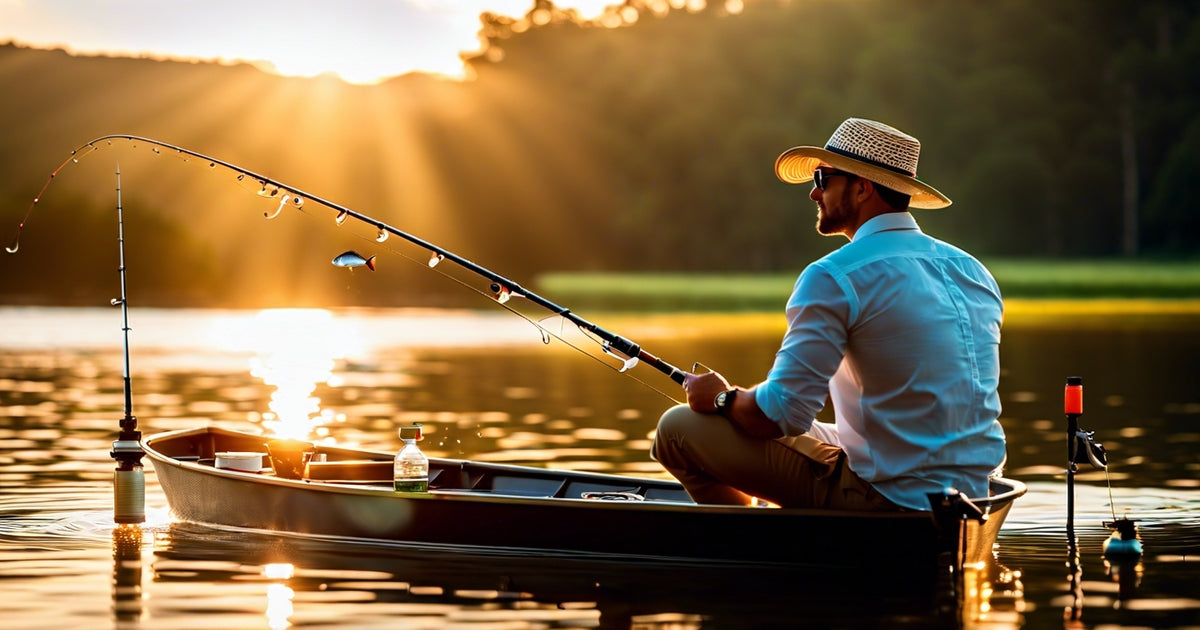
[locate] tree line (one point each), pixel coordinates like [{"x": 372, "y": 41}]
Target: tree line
[
  {"x": 1065, "y": 129},
  {"x": 1061, "y": 129}
]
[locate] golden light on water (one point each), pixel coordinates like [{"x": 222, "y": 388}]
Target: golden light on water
[
  {"x": 292, "y": 350},
  {"x": 279, "y": 570},
  {"x": 280, "y": 596}
]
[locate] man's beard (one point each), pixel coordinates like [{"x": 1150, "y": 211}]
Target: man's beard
[{"x": 829, "y": 223}]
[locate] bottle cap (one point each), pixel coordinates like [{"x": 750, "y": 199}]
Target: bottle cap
[{"x": 410, "y": 433}]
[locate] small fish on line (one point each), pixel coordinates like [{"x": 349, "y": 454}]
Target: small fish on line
[{"x": 354, "y": 259}]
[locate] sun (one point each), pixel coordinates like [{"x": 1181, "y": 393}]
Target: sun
[{"x": 352, "y": 66}]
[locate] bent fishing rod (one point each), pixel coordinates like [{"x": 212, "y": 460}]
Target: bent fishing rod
[{"x": 622, "y": 349}]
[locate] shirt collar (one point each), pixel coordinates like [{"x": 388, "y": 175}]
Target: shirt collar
[{"x": 885, "y": 223}]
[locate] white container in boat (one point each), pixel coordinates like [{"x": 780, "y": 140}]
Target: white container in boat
[{"x": 243, "y": 461}]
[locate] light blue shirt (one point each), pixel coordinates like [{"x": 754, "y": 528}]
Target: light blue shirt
[{"x": 902, "y": 332}]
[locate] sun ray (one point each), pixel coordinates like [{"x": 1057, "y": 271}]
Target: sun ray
[{"x": 417, "y": 191}]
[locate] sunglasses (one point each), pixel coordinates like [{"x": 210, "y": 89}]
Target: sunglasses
[{"x": 821, "y": 176}]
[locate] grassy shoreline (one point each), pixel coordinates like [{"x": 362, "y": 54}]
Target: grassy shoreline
[{"x": 1133, "y": 287}]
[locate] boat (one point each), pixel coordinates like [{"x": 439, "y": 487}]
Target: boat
[{"x": 347, "y": 494}]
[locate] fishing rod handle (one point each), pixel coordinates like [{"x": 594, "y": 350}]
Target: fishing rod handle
[
  {"x": 631, "y": 349},
  {"x": 674, "y": 373}
]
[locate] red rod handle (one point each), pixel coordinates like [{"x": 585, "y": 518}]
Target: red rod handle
[{"x": 1073, "y": 396}]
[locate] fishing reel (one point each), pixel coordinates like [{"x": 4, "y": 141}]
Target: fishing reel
[{"x": 1086, "y": 450}]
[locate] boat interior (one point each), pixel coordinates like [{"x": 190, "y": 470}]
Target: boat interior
[
  {"x": 332, "y": 465},
  {"x": 342, "y": 466}
]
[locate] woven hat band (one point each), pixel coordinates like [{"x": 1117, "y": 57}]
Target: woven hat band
[{"x": 894, "y": 169}]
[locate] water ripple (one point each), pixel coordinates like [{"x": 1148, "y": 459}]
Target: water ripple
[
  {"x": 67, "y": 530},
  {"x": 1043, "y": 508}
]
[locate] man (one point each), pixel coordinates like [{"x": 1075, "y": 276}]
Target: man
[{"x": 901, "y": 331}]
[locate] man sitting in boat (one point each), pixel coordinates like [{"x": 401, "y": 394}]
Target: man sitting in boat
[{"x": 899, "y": 330}]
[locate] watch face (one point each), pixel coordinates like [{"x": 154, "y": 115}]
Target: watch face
[{"x": 721, "y": 398}]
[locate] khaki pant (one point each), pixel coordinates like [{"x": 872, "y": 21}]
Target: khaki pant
[{"x": 717, "y": 463}]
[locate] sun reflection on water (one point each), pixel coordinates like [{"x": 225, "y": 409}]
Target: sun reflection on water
[
  {"x": 293, "y": 350},
  {"x": 280, "y": 596}
]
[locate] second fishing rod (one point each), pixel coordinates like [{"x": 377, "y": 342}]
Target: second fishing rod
[{"x": 626, "y": 351}]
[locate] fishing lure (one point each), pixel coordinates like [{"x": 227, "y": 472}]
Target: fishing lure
[{"x": 352, "y": 259}]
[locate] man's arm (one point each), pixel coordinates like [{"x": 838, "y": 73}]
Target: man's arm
[{"x": 702, "y": 390}]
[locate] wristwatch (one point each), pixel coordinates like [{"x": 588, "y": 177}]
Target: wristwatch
[{"x": 724, "y": 401}]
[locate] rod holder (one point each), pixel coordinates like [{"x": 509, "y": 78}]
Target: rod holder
[
  {"x": 1073, "y": 408},
  {"x": 129, "y": 496},
  {"x": 129, "y": 481}
]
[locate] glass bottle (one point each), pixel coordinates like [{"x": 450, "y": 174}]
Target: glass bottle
[{"x": 411, "y": 470}]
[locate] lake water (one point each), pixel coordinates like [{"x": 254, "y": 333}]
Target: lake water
[{"x": 487, "y": 388}]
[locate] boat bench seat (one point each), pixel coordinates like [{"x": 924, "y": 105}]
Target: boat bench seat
[{"x": 469, "y": 477}]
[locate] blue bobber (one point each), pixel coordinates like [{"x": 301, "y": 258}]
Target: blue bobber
[{"x": 1124, "y": 543}]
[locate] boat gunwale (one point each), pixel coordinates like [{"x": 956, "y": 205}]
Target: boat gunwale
[{"x": 994, "y": 502}]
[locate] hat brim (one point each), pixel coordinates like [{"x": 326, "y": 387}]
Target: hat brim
[{"x": 796, "y": 166}]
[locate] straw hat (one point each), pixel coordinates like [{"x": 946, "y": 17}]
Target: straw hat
[{"x": 871, "y": 150}]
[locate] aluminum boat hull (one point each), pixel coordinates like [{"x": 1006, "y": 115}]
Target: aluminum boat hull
[{"x": 517, "y": 508}]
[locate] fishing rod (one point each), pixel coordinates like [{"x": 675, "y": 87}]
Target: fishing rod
[
  {"x": 624, "y": 350},
  {"x": 129, "y": 484}
]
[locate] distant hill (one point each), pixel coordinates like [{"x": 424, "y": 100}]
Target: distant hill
[
  {"x": 445, "y": 160},
  {"x": 1061, "y": 130}
]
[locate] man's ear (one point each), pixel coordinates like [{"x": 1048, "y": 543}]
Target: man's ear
[{"x": 863, "y": 188}]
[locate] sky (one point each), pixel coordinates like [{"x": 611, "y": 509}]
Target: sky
[{"x": 363, "y": 41}]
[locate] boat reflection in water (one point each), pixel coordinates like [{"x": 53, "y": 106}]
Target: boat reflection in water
[
  {"x": 993, "y": 597},
  {"x": 298, "y": 581}
]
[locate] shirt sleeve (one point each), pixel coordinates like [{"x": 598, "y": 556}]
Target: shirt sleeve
[{"x": 797, "y": 386}]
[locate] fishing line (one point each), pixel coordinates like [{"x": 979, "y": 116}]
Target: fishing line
[
  {"x": 1112, "y": 507},
  {"x": 74, "y": 159},
  {"x": 545, "y": 332},
  {"x": 615, "y": 346}
]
